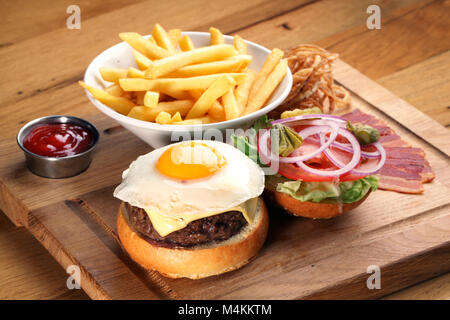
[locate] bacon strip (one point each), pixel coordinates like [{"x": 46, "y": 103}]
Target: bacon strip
[{"x": 406, "y": 168}]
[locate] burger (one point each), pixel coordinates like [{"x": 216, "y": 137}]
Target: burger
[
  {"x": 192, "y": 209},
  {"x": 322, "y": 165}
]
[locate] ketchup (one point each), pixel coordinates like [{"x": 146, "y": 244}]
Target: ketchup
[{"x": 58, "y": 140}]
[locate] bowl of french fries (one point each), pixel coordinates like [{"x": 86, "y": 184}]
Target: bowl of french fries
[{"x": 170, "y": 84}]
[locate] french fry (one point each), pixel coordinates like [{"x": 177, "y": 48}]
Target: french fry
[
  {"x": 168, "y": 85},
  {"x": 240, "y": 45},
  {"x": 217, "y": 112},
  {"x": 206, "y": 100},
  {"x": 216, "y": 36},
  {"x": 242, "y": 91},
  {"x": 202, "y": 120},
  {"x": 142, "y": 61},
  {"x": 139, "y": 97},
  {"x": 171, "y": 107},
  {"x": 151, "y": 99},
  {"x": 162, "y": 39},
  {"x": 186, "y": 44},
  {"x": 163, "y": 118},
  {"x": 152, "y": 40},
  {"x": 233, "y": 64},
  {"x": 175, "y": 37},
  {"x": 112, "y": 74},
  {"x": 115, "y": 90},
  {"x": 271, "y": 62},
  {"x": 119, "y": 104},
  {"x": 196, "y": 93},
  {"x": 144, "y": 46},
  {"x": 176, "y": 117},
  {"x": 230, "y": 106},
  {"x": 267, "y": 88},
  {"x": 206, "y": 54},
  {"x": 135, "y": 73}
]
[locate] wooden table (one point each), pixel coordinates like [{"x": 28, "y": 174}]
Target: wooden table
[{"x": 409, "y": 55}]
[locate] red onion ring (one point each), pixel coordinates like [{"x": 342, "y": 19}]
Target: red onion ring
[
  {"x": 311, "y": 116},
  {"x": 346, "y": 168},
  {"x": 339, "y": 164},
  {"x": 348, "y": 148}
]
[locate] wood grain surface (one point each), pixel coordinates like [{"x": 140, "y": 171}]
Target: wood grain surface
[{"x": 409, "y": 56}]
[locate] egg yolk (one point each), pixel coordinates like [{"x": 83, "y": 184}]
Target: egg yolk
[{"x": 190, "y": 160}]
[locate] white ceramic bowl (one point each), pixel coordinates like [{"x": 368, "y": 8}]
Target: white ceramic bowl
[{"x": 156, "y": 135}]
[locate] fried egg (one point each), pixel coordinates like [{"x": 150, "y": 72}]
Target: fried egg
[{"x": 191, "y": 177}]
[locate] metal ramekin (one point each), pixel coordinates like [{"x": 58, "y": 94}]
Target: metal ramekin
[{"x": 58, "y": 167}]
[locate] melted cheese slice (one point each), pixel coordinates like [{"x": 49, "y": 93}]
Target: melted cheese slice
[{"x": 165, "y": 225}]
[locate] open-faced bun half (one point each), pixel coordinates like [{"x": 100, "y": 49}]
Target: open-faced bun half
[{"x": 309, "y": 209}]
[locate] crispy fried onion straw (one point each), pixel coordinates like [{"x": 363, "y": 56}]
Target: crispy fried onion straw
[{"x": 313, "y": 84}]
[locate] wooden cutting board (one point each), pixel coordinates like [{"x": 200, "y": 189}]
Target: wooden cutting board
[{"x": 407, "y": 236}]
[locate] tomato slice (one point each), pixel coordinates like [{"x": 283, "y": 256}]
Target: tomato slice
[{"x": 321, "y": 162}]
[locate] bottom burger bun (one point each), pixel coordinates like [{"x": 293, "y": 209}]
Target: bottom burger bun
[
  {"x": 309, "y": 209},
  {"x": 200, "y": 261}
]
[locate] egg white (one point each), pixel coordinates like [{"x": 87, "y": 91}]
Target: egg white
[{"x": 239, "y": 180}]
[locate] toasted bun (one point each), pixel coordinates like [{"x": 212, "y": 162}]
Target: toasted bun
[
  {"x": 309, "y": 209},
  {"x": 201, "y": 261}
]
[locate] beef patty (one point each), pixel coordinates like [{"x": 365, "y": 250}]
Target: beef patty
[{"x": 215, "y": 228}]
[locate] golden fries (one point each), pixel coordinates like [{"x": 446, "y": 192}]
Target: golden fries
[
  {"x": 186, "y": 44},
  {"x": 112, "y": 74},
  {"x": 230, "y": 106},
  {"x": 271, "y": 62},
  {"x": 119, "y": 104},
  {"x": 240, "y": 45},
  {"x": 206, "y": 54},
  {"x": 171, "y": 107},
  {"x": 135, "y": 73},
  {"x": 168, "y": 85},
  {"x": 144, "y": 46},
  {"x": 175, "y": 83},
  {"x": 216, "y": 36},
  {"x": 151, "y": 99},
  {"x": 142, "y": 61},
  {"x": 242, "y": 91},
  {"x": 115, "y": 90},
  {"x": 214, "y": 91},
  {"x": 163, "y": 118},
  {"x": 175, "y": 37},
  {"x": 234, "y": 64},
  {"x": 267, "y": 88},
  {"x": 162, "y": 39}
]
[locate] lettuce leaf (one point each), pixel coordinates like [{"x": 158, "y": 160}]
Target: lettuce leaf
[{"x": 347, "y": 192}]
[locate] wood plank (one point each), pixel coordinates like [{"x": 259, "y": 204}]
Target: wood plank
[
  {"x": 72, "y": 240},
  {"x": 71, "y": 59},
  {"x": 378, "y": 53},
  {"x": 321, "y": 20},
  {"x": 428, "y": 86},
  {"x": 24, "y": 19},
  {"x": 27, "y": 270},
  {"x": 434, "y": 289},
  {"x": 396, "y": 108}
]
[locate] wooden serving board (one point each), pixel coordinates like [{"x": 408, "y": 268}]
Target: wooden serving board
[{"x": 407, "y": 236}]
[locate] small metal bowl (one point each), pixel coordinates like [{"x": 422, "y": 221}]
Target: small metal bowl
[{"x": 58, "y": 167}]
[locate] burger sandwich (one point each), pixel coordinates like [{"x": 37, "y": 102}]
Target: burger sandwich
[{"x": 192, "y": 209}]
